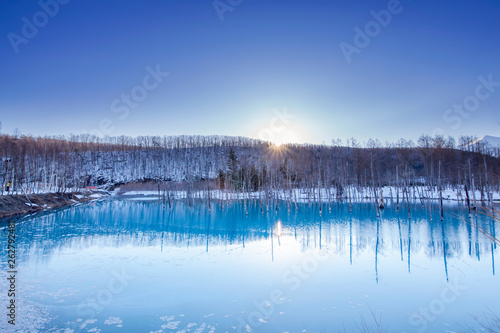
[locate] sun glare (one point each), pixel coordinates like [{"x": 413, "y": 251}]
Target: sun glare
[
  {"x": 284, "y": 138},
  {"x": 290, "y": 134},
  {"x": 279, "y": 228}
]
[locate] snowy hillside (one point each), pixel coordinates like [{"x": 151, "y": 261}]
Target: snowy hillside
[
  {"x": 39, "y": 165},
  {"x": 490, "y": 142}
]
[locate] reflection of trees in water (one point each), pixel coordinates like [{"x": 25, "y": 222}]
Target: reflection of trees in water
[{"x": 117, "y": 223}]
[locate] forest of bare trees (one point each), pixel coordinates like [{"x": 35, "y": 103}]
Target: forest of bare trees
[{"x": 238, "y": 164}]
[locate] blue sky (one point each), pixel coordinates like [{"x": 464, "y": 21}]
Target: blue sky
[{"x": 233, "y": 76}]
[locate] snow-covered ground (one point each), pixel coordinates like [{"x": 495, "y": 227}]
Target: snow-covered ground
[
  {"x": 314, "y": 195},
  {"x": 299, "y": 195},
  {"x": 490, "y": 142},
  {"x": 40, "y": 188}
]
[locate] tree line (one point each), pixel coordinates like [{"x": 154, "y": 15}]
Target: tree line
[{"x": 239, "y": 164}]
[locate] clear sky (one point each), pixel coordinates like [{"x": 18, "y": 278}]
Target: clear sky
[{"x": 85, "y": 66}]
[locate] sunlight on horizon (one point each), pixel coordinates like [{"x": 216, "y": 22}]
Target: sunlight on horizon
[{"x": 289, "y": 135}]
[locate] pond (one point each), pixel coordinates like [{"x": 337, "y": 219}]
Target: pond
[{"x": 134, "y": 265}]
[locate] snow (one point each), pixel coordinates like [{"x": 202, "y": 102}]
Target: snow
[
  {"x": 87, "y": 322},
  {"x": 114, "y": 321},
  {"x": 490, "y": 141},
  {"x": 311, "y": 195},
  {"x": 143, "y": 197},
  {"x": 39, "y": 188}
]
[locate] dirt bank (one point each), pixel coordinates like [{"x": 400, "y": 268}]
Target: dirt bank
[{"x": 13, "y": 205}]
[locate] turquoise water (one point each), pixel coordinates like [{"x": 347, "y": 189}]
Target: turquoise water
[{"x": 133, "y": 265}]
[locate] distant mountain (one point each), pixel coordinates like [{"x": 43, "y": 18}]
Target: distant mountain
[{"x": 489, "y": 141}]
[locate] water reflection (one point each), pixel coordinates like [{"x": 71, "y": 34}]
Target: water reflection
[
  {"x": 136, "y": 223},
  {"x": 197, "y": 261}
]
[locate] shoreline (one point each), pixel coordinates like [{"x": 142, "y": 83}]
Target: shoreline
[
  {"x": 17, "y": 205},
  {"x": 305, "y": 195}
]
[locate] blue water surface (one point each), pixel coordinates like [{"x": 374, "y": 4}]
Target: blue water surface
[{"x": 135, "y": 265}]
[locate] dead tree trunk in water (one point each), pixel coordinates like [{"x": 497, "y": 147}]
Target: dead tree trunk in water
[
  {"x": 487, "y": 184},
  {"x": 407, "y": 191},
  {"x": 440, "y": 191},
  {"x": 374, "y": 188},
  {"x": 397, "y": 190},
  {"x": 209, "y": 201},
  {"x": 408, "y": 201},
  {"x": 467, "y": 198}
]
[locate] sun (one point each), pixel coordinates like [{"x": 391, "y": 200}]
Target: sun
[
  {"x": 283, "y": 138},
  {"x": 289, "y": 135},
  {"x": 277, "y": 151},
  {"x": 278, "y": 135}
]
